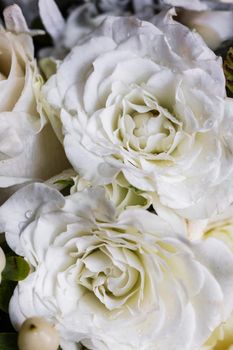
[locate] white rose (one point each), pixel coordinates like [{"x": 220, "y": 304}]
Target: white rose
[
  {"x": 149, "y": 102},
  {"x": 220, "y": 228},
  {"x": 28, "y": 147},
  {"x": 221, "y": 338},
  {"x": 124, "y": 196},
  {"x": 81, "y": 21},
  {"x": 214, "y": 26},
  {"x": 126, "y": 282},
  {"x": 119, "y": 192}
]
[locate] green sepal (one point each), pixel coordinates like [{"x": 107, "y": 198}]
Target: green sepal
[{"x": 16, "y": 269}]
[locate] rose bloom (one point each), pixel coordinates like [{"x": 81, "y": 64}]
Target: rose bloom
[
  {"x": 219, "y": 227},
  {"x": 29, "y": 149},
  {"x": 221, "y": 338},
  {"x": 119, "y": 192},
  {"x": 213, "y": 20},
  {"x": 119, "y": 282},
  {"x": 214, "y": 26},
  {"x": 147, "y": 101}
]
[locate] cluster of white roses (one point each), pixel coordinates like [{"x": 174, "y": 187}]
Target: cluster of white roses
[{"x": 139, "y": 254}]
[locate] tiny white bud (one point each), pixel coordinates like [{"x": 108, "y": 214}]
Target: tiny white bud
[
  {"x": 2, "y": 262},
  {"x": 36, "y": 333}
]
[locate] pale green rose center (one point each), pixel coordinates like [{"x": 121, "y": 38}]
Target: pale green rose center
[
  {"x": 144, "y": 125},
  {"x": 113, "y": 274}
]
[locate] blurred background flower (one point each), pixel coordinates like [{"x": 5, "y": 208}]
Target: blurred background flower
[{"x": 211, "y": 18}]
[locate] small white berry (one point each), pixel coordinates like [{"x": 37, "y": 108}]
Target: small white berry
[{"x": 36, "y": 333}]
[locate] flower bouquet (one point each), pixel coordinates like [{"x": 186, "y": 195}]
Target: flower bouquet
[{"x": 116, "y": 175}]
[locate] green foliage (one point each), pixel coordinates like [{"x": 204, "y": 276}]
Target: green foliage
[
  {"x": 7, "y": 250},
  {"x": 6, "y": 291},
  {"x": 66, "y": 185},
  {"x": 16, "y": 269},
  {"x": 228, "y": 70},
  {"x": 8, "y": 341},
  {"x": 65, "y": 182}
]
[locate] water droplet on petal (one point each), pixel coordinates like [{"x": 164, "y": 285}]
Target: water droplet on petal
[{"x": 28, "y": 214}]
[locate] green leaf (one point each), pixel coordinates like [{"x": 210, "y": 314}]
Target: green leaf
[
  {"x": 228, "y": 70},
  {"x": 16, "y": 269},
  {"x": 6, "y": 291},
  {"x": 8, "y": 341},
  {"x": 65, "y": 182},
  {"x": 66, "y": 185}
]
